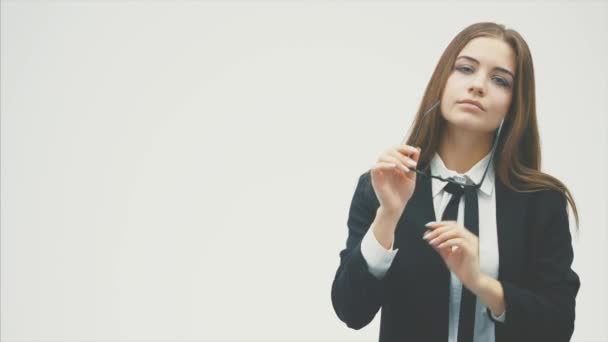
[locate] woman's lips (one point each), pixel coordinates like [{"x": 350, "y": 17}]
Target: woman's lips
[{"x": 470, "y": 106}]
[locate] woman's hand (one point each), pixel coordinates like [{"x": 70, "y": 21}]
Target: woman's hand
[
  {"x": 463, "y": 260},
  {"x": 392, "y": 177}
]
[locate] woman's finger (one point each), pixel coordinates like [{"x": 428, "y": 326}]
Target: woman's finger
[
  {"x": 436, "y": 224},
  {"x": 410, "y": 151},
  {"x": 392, "y": 160},
  {"x": 384, "y": 166},
  {"x": 465, "y": 233},
  {"x": 408, "y": 162},
  {"x": 459, "y": 242},
  {"x": 431, "y": 234},
  {"x": 450, "y": 234}
]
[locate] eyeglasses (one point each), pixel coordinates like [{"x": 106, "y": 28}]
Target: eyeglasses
[{"x": 463, "y": 182}]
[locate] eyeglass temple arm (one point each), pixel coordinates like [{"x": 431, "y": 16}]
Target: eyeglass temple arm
[
  {"x": 493, "y": 149},
  {"x": 421, "y": 121},
  {"x": 493, "y": 146}
]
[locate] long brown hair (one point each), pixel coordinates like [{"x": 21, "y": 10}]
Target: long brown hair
[{"x": 517, "y": 159}]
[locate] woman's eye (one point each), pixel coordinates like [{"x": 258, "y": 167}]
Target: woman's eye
[
  {"x": 502, "y": 82},
  {"x": 464, "y": 69},
  {"x": 499, "y": 80}
]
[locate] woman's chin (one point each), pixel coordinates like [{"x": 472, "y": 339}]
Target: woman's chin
[{"x": 468, "y": 123}]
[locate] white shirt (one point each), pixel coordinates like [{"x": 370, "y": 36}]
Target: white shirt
[{"x": 379, "y": 259}]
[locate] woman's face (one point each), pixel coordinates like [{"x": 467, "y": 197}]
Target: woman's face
[{"x": 483, "y": 72}]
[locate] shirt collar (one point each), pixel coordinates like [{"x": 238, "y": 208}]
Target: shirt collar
[{"x": 475, "y": 174}]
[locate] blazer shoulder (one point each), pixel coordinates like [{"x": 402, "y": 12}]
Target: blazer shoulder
[
  {"x": 549, "y": 212},
  {"x": 366, "y": 177},
  {"x": 364, "y": 185},
  {"x": 544, "y": 199},
  {"x": 549, "y": 199}
]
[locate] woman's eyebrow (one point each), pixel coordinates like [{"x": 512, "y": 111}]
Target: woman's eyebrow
[{"x": 497, "y": 68}]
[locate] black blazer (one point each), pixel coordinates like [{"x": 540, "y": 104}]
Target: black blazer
[{"x": 535, "y": 257}]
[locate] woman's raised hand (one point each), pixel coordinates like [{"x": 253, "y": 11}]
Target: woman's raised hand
[{"x": 393, "y": 177}]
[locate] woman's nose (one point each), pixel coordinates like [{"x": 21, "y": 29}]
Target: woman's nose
[{"x": 477, "y": 85}]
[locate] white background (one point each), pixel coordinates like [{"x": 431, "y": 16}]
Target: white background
[{"x": 183, "y": 170}]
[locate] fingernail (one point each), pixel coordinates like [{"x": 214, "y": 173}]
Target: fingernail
[
  {"x": 430, "y": 224},
  {"x": 405, "y": 168},
  {"x": 426, "y": 235}
]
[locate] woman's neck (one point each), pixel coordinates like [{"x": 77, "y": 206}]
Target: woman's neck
[{"x": 460, "y": 150}]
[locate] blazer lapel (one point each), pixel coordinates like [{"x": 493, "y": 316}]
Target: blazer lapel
[
  {"x": 510, "y": 214},
  {"x": 435, "y": 292},
  {"x": 422, "y": 204}
]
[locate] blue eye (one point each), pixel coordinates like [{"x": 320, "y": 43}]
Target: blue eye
[
  {"x": 502, "y": 82},
  {"x": 499, "y": 80},
  {"x": 464, "y": 69}
]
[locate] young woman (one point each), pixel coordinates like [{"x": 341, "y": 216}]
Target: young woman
[{"x": 456, "y": 233}]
